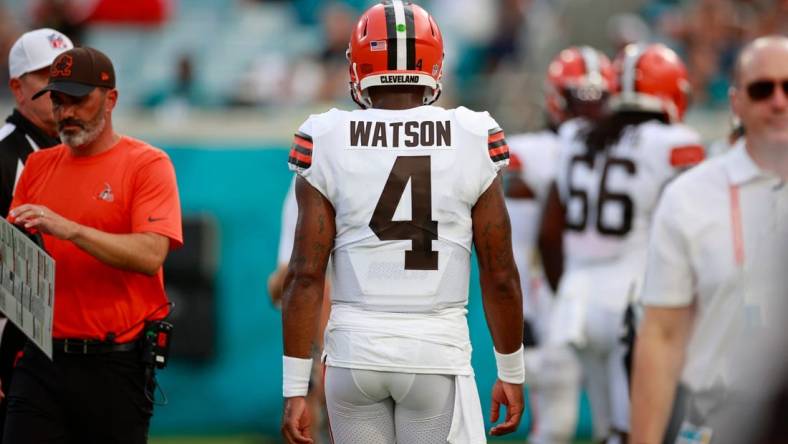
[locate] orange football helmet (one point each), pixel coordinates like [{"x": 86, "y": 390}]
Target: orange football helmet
[
  {"x": 651, "y": 78},
  {"x": 395, "y": 43},
  {"x": 579, "y": 74}
]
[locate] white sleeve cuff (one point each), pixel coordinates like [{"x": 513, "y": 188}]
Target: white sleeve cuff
[
  {"x": 511, "y": 367},
  {"x": 295, "y": 376}
]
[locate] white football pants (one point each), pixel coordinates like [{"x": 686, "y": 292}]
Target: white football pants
[
  {"x": 604, "y": 374},
  {"x": 373, "y": 407},
  {"x": 553, "y": 378}
]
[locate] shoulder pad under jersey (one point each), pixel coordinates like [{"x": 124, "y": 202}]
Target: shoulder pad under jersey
[
  {"x": 482, "y": 124},
  {"x": 300, "y": 158},
  {"x": 682, "y": 143}
]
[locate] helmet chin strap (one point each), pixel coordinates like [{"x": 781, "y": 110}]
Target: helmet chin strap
[
  {"x": 355, "y": 97},
  {"x": 431, "y": 97},
  {"x": 672, "y": 111},
  {"x": 360, "y": 97}
]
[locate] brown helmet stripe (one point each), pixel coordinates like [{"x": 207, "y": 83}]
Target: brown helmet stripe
[
  {"x": 411, "y": 36},
  {"x": 391, "y": 34}
]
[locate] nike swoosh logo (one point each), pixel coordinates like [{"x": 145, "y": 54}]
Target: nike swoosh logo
[{"x": 155, "y": 219}]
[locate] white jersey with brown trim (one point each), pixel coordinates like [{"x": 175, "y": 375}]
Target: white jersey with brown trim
[
  {"x": 534, "y": 159},
  {"x": 610, "y": 197},
  {"x": 538, "y": 154},
  {"x": 402, "y": 184}
]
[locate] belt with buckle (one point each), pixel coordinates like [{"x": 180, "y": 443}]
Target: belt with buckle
[{"x": 91, "y": 346}]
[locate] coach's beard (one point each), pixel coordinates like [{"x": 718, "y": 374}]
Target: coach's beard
[{"x": 87, "y": 133}]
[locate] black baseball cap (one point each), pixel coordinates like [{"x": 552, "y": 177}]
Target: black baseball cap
[{"x": 79, "y": 71}]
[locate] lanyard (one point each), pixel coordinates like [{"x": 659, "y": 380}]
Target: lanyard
[{"x": 736, "y": 225}]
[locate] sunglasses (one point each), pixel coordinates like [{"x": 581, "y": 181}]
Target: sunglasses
[{"x": 763, "y": 89}]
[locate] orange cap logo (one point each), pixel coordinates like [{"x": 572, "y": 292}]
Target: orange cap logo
[
  {"x": 104, "y": 76},
  {"x": 62, "y": 66}
]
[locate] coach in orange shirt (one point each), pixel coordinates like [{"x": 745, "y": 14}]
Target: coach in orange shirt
[{"x": 108, "y": 208}]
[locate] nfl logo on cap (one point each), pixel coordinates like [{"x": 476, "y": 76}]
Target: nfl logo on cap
[
  {"x": 57, "y": 41},
  {"x": 35, "y": 50}
]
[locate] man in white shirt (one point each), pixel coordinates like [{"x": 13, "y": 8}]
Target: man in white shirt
[{"x": 715, "y": 275}]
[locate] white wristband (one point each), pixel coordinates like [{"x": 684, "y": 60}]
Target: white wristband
[
  {"x": 295, "y": 376},
  {"x": 511, "y": 368}
]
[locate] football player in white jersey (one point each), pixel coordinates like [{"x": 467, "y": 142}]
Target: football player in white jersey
[
  {"x": 609, "y": 179},
  {"x": 578, "y": 83},
  {"x": 396, "y": 194}
]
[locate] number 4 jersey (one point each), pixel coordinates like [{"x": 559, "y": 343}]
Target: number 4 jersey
[
  {"x": 402, "y": 184},
  {"x": 609, "y": 198}
]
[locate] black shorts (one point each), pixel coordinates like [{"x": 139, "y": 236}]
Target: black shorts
[
  {"x": 85, "y": 399},
  {"x": 13, "y": 340}
]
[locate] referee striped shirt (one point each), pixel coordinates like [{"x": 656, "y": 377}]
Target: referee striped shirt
[{"x": 18, "y": 138}]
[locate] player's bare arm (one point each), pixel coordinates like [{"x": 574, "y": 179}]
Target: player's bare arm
[
  {"x": 140, "y": 252},
  {"x": 303, "y": 295},
  {"x": 500, "y": 281},
  {"x": 659, "y": 357},
  {"x": 551, "y": 246},
  {"x": 516, "y": 188},
  {"x": 305, "y": 280},
  {"x": 501, "y": 296}
]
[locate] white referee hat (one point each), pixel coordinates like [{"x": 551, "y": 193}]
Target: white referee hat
[{"x": 35, "y": 50}]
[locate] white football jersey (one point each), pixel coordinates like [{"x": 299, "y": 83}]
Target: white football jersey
[
  {"x": 534, "y": 158},
  {"x": 538, "y": 154},
  {"x": 402, "y": 184},
  {"x": 610, "y": 197}
]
